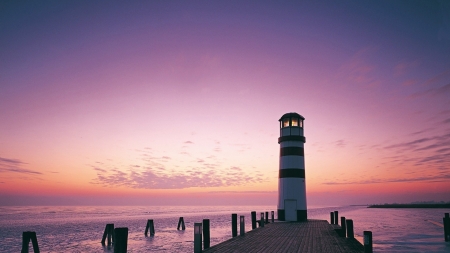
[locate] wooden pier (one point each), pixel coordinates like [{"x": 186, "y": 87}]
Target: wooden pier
[{"x": 311, "y": 236}]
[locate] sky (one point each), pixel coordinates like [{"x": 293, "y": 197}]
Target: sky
[{"x": 177, "y": 102}]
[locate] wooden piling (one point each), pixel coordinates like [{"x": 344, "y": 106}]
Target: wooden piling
[
  {"x": 336, "y": 218},
  {"x": 343, "y": 227},
  {"x": 150, "y": 226},
  {"x": 261, "y": 223},
  {"x": 273, "y": 215},
  {"x": 234, "y": 225},
  {"x": 350, "y": 233},
  {"x": 253, "y": 214},
  {"x": 206, "y": 234},
  {"x": 242, "y": 225},
  {"x": 368, "y": 245},
  {"x": 331, "y": 218},
  {"x": 108, "y": 233},
  {"x": 197, "y": 237},
  {"x": 267, "y": 217},
  {"x": 181, "y": 223},
  {"x": 120, "y": 240},
  {"x": 26, "y": 237},
  {"x": 447, "y": 227}
]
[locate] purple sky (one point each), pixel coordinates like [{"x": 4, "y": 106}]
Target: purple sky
[{"x": 160, "y": 102}]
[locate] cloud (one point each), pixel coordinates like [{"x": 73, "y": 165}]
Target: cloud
[
  {"x": 445, "y": 177},
  {"x": 340, "y": 143},
  {"x": 358, "y": 69},
  {"x": 150, "y": 177},
  {"x": 404, "y": 67},
  {"x": 15, "y": 166},
  {"x": 188, "y": 142}
]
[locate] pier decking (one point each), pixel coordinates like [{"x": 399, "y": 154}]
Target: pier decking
[{"x": 311, "y": 236}]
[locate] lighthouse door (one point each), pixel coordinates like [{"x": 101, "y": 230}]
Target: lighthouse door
[{"x": 290, "y": 209}]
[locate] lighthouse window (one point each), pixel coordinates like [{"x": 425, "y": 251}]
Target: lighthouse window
[
  {"x": 301, "y": 123},
  {"x": 294, "y": 122},
  {"x": 285, "y": 122}
]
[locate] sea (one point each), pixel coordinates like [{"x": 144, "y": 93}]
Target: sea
[{"x": 80, "y": 228}]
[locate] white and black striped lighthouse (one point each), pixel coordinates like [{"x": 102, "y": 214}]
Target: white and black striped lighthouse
[{"x": 291, "y": 179}]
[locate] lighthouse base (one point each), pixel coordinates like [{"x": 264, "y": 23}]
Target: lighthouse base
[{"x": 302, "y": 215}]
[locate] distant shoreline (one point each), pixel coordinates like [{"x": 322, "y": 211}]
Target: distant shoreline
[{"x": 447, "y": 205}]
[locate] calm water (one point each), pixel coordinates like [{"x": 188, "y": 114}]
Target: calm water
[{"x": 80, "y": 229}]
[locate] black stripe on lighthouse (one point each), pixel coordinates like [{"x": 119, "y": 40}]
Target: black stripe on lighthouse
[
  {"x": 293, "y": 173},
  {"x": 298, "y": 151}
]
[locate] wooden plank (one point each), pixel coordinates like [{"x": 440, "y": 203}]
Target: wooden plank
[{"x": 311, "y": 236}]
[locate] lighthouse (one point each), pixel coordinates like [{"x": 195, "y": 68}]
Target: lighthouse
[{"x": 291, "y": 177}]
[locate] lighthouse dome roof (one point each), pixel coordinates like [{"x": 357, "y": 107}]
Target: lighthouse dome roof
[{"x": 290, "y": 115}]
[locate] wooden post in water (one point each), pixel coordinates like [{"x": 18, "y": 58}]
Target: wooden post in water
[
  {"x": 331, "y": 218},
  {"x": 343, "y": 227},
  {"x": 109, "y": 232},
  {"x": 206, "y": 234},
  {"x": 368, "y": 245},
  {"x": 261, "y": 224},
  {"x": 234, "y": 225},
  {"x": 350, "y": 233},
  {"x": 447, "y": 227},
  {"x": 120, "y": 240},
  {"x": 242, "y": 223},
  {"x": 150, "y": 227},
  {"x": 181, "y": 223},
  {"x": 253, "y": 219},
  {"x": 26, "y": 237},
  {"x": 273, "y": 214},
  {"x": 197, "y": 237},
  {"x": 267, "y": 217},
  {"x": 336, "y": 218}
]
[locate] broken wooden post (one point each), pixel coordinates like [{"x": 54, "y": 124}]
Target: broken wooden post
[
  {"x": 206, "y": 234},
  {"x": 336, "y": 218},
  {"x": 109, "y": 232},
  {"x": 26, "y": 237},
  {"x": 261, "y": 223},
  {"x": 343, "y": 227},
  {"x": 253, "y": 220},
  {"x": 234, "y": 225},
  {"x": 267, "y": 217},
  {"x": 273, "y": 215},
  {"x": 447, "y": 227},
  {"x": 331, "y": 218},
  {"x": 197, "y": 237},
  {"x": 350, "y": 233},
  {"x": 368, "y": 245},
  {"x": 181, "y": 223},
  {"x": 120, "y": 240},
  {"x": 242, "y": 223},
  {"x": 150, "y": 227}
]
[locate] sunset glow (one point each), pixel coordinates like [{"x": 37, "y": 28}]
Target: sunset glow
[{"x": 175, "y": 102}]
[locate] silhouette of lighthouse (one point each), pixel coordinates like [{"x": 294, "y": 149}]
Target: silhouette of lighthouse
[{"x": 291, "y": 179}]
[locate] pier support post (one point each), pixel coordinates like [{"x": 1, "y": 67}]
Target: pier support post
[
  {"x": 350, "y": 233},
  {"x": 234, "y": 225},
  {"x": 253, "y": 220},
  {"x": 343, "y": 227},
  {"x": 206, "y": 234},
  {"x": 242, "y": 223},
  {"x": 197, "y": 237},
  {"x": 109, "y": 232},
  {"x": 150, "y": 226},
  {"x": 331, "y": 218},
  {"x": 368, "y": 245},
  {"x": 26, "y": 237},
  {"x": 181, "y": 223},
  {"x": 267, "y": 217},
  {"x": 120, "y": 240},
  {"x": 447, "y": 227},
  {"x": 273, "y": 215},
  {"x": 336, "y": 218},
  {"x": 261, "y": 223}
]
